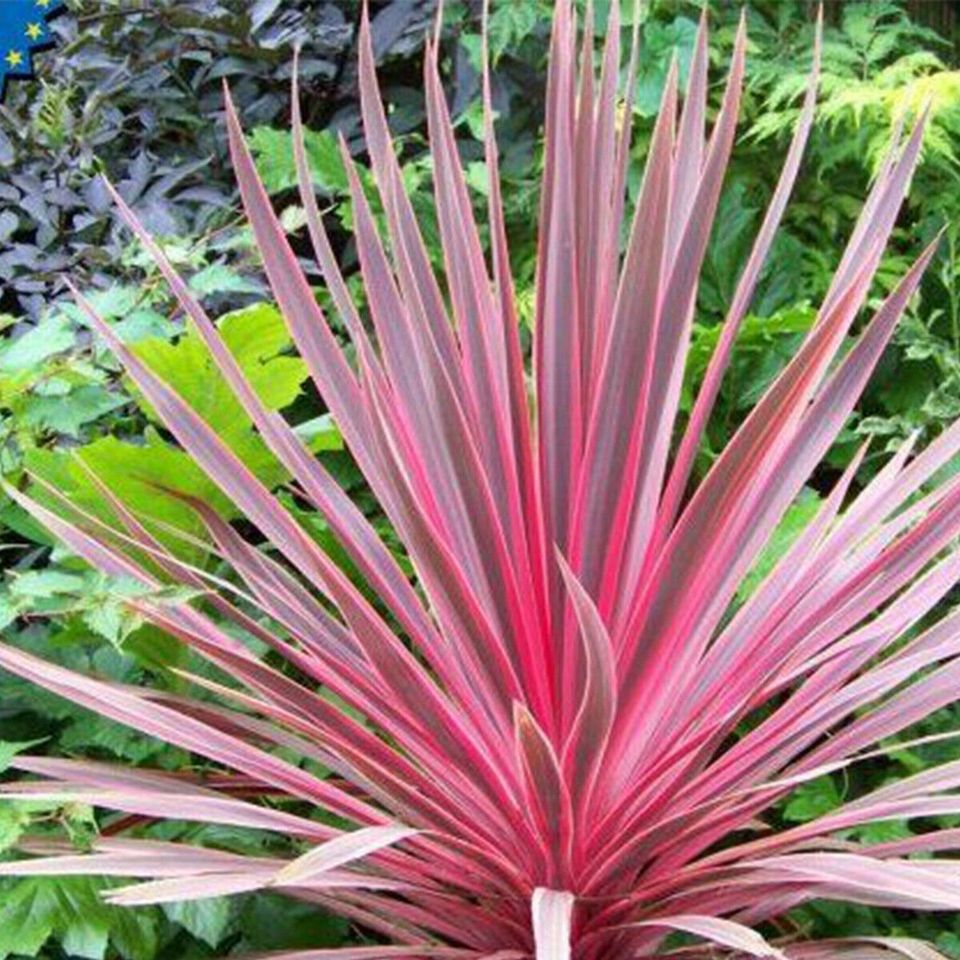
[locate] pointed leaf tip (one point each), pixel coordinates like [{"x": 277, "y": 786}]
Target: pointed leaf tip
[
  {"x": 724, "y": 933},
  {"x": 341, "y": 850}
]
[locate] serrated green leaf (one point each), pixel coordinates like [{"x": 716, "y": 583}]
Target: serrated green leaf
[
  {"x": 8, "y": 750},
  {"x": 112, "y": 620},
  {"x": 122, "y": 742},
  {"x": 13, "y": 821},
  {"x": 37, "y": 584},
  {"x": 69, "y": 413}
]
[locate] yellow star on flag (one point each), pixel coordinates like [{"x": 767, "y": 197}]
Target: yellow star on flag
[
  {"x": 34, "y": 31},
  {"x": 14, "y": 58},
  {"x": 43, "y": 3}
]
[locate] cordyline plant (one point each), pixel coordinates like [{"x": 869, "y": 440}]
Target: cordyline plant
[{"x": 560, "y": 737}]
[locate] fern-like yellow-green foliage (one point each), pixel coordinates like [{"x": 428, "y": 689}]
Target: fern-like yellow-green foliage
[
  {"x": 898, "y": 92},
  {"x": 878, "y": 70}
]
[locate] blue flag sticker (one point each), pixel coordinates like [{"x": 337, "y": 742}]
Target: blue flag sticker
[{"x": 24, "y": 30}]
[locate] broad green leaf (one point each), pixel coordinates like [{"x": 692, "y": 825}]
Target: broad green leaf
[
  {"x": 133, "y": 933},
  {"x": 273, "y": 151},
  {"x": 949, "y": 943},
  {"x": 812, "y": 800},
  {"x": 883, "y": 831},
  {"x": 27, "y": 916},
  {"x": 135, "y": 310},
  {"x": 320, "y": 433},
  {"x": 133, "y": 472},
  {"x": 33, "y": 909},
  {"x": 660, "y": 42},
  {"x": 52, "y": 335},
  {"x": 257, "y": 337},
  {"x": 764, "y": 346},
  {"x": 13, "y": 516},
  {"x": 797, "y": 516},
  {"x": 116, "y": 301},
  {"x": 143, "y": 324},
  {"x": 270, "y": 922},
  {"x": 219, "y": 278},
  {"x": 208, "y": 920}
]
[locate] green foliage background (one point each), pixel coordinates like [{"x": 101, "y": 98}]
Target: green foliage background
[{"x": 65, "y": 408}]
